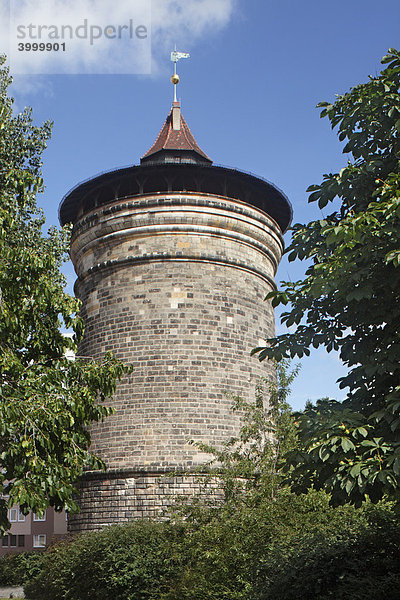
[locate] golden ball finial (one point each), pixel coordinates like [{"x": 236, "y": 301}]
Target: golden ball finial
[{"x": 175, "y": 79}]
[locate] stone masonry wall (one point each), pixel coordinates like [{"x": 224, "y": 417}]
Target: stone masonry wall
[
  {"x": 118, "y": 497},
  {"x": 174, "y": 284}
]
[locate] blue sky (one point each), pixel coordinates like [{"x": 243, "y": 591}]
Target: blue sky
[{"x": 249, "y": 90}]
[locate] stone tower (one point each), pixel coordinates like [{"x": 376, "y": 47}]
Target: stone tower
[{"x": 174, "y": 258}]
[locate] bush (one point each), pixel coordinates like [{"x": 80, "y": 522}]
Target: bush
[
  {"x": 17, "y": 569},
  {"x": 358, "y": 565},
  {"x": 288, "y": 548},
  {"x": 236, "y": 552},
  {"x": 9, "y": 572},
  {"x": 131, "y": 562},
  {"x": 261, "y": 542}
]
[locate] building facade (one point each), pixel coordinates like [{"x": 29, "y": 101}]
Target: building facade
[
  {"x": 32, "y": 532},
  {"x": 174, "y": 258}
]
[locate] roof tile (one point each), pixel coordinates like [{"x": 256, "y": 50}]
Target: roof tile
[{"x": 175, "y": 139}]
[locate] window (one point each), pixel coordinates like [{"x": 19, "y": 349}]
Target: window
[
  {"x": 4, "y": 541},
  {"x": 38, "y": 517},
  {"x": 21, "y": 541},
  {"x": 39, "y": 541},
  {"x": 21, "y": 516},
  {"x": 13, "y": 541},
  {"x": 12, "y": 515}
]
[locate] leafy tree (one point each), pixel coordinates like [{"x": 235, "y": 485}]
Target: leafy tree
[
  {"x": 349, "y": 300},
  {"x": 46, "y": 400}
]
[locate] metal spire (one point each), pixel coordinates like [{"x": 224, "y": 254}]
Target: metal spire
[{"x": 175, "y": 56}]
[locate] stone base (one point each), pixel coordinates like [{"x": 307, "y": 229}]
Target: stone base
[{"x": 117, "y": 497}]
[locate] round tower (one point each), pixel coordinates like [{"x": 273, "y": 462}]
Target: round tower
[{"x": 174, "y": 258}]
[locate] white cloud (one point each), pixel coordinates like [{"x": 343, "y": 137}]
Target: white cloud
[
  {"x": 169, "y": 22},
  {"x": 79, "y": 36},
  {"x": 187, "y": 21}
]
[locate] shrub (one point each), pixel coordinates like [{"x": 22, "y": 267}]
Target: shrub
[
  {"x": 344, "y": 564},
  {"x": 131, "y": 562},
  {"x": 17, "y": 569},
  {"x": 288, "y": 548}
]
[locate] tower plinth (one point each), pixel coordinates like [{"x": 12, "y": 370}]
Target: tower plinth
[{"x": 174, "y": 258}]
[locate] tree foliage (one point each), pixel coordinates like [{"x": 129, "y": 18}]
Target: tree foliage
[
  {"x": 46, "y": 400},
  {"x": 349, "y": 300}
]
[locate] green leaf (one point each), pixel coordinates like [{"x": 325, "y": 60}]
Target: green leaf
[
  {"x": 347, "y": 444},
  {"x": 324, "y": 454},
  {"x": 363, "y": 431}
]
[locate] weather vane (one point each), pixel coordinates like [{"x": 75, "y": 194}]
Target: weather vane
[{"x": 175, "y": 56}]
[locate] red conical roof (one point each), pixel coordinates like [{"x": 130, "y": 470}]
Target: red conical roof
[{"x": 175, "y": 135}]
